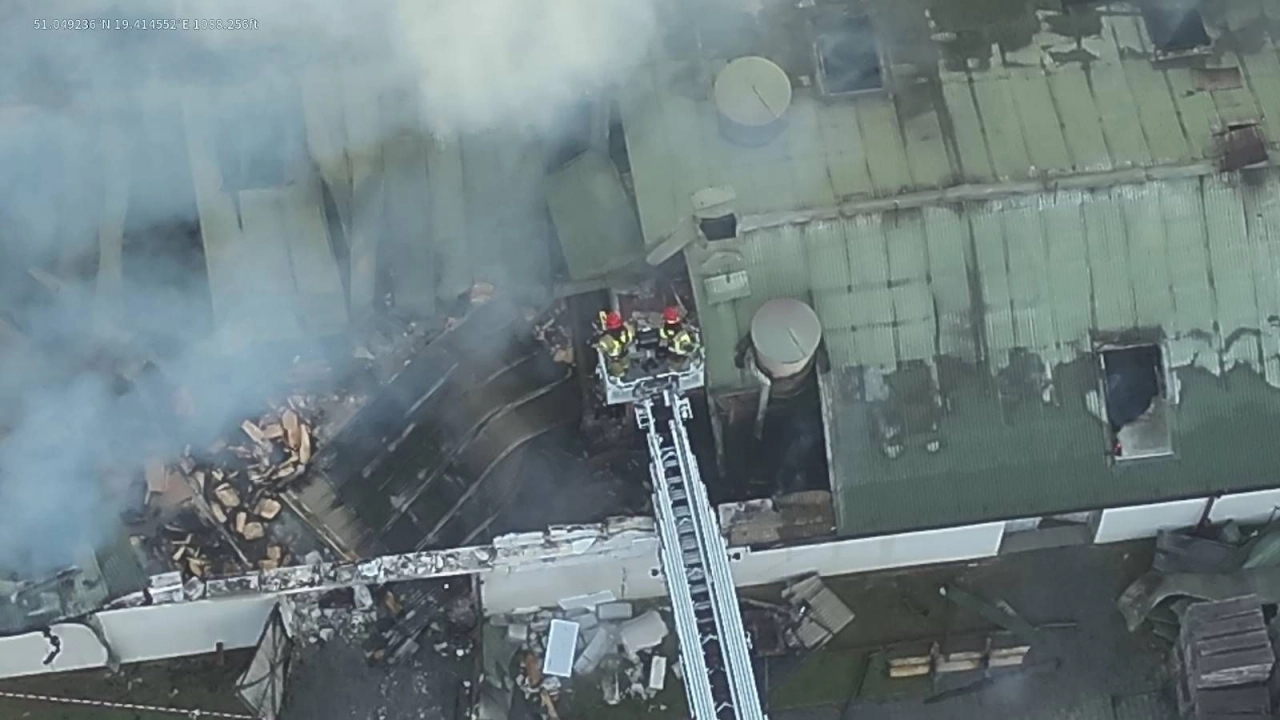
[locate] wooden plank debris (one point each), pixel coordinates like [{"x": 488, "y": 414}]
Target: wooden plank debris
[
  {"x": 236, "y": 484},
  {"x": 938, "y": 662}
]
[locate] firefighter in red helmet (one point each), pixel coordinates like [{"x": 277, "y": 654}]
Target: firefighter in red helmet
[
  {"x": 675, "y": 337},
  {"x": 614, "y": 343}
]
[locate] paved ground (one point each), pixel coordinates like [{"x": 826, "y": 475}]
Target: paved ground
[
  {"x": 337, "y": 683},
  {"x": 1103, "y": 672}
]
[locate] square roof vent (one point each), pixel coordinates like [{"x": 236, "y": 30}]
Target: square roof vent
[
  {"x": 846, "y": 55},
  {"x": 1176, "y": 29}
]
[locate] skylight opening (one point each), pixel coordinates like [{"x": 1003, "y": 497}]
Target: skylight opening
[
  {"x": 1176, "y": 29},
  {"x": 847, "y": 56}
]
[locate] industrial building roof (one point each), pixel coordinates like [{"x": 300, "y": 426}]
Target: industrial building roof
[
  {"x": 430, "y": 212},
  {"x": 1198, "y": 257},
  {"x": 1045, "y": 184},
  {"x": 1024, "y": 94}
]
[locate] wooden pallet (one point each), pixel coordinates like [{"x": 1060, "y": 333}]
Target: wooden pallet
[{"x": 1225, "y": 660}]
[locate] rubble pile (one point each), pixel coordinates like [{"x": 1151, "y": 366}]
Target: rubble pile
[
  {"x": 625, "y": 652},
  {"x": 348, "y": 613},
  {"x": 234, "y": 489},
  {"x": 1210, "y": 563},
  {"x": 391, "y": 626}
]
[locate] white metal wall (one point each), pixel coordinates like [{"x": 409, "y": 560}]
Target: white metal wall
[
  {"x": 1140, "y": 521},
  {"x": 1251, "y": 508},
  {"x": 839, "y": 557},
  {"x": 143, "y": 634},
  {"x": 632, "y": 577}
]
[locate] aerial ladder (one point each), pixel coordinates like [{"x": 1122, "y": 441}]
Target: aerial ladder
[{"x": 714, "y": 651}]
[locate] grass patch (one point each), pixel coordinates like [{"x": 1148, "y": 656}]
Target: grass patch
[
  {"x": 200, "y": 684},
  {"x": 46, "y": 711}
]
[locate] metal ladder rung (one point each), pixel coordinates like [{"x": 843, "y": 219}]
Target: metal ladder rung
[{"x": 727, "y": 689}]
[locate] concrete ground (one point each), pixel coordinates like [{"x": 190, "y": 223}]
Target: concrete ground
[{"x": 1094, "y": 669}]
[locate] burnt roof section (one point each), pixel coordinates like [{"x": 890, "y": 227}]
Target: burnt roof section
[{"x": 425, "y": 464}]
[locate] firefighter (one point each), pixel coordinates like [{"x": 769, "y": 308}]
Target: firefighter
[
  {"x": 675, "y": 338},
  {"x": 615, "y": 343}
]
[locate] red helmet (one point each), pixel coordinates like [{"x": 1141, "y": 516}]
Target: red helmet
[
  {"x": 671, "y": 314},
  {"x": 612, "y": 321}
]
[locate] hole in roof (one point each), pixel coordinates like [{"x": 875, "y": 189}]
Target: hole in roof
[
  {"x": 1225, "y": 78},
  {"x": 1136, "y": 402},
  {"x": 847, "y": 56},
  {"x": 1241, "y": 146},
  {"x": 1176, "y": 27},
  {"x": 724, "y": 227}
]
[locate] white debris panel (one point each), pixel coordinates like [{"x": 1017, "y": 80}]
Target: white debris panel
[{"x": 562, "y": 644}]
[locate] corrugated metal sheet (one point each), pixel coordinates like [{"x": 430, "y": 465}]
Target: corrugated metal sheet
[
  {"x": 826, "y": 250},
  {"x": 594, "y": 218},
  {"x": 1039, "y": 116},
  {"x": 727, "y": 286},
  {"x": 1197, "y": 257},
  {"x": 1048, "y": 269},
  {"x": 322, "y": 305},
  {"x": 122, "y": 571},
  {"x": 508, "y": 228}
]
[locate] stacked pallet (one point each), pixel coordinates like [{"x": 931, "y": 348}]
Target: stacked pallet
[{"x": 1225, "y": 661}]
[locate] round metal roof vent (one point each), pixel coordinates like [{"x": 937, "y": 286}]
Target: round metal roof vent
[
  {"x": 752, "y": 95},
  {"x": 785, "y": 333}
]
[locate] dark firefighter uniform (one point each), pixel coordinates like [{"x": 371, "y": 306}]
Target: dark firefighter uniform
[
  {"x": 615, "y": 343},
  {"x": 676, "y": 338}
]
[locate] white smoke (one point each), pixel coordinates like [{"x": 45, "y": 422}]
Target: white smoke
[
  {"x": 72, "y": 94},
  {"x": 491, "y": 63}
]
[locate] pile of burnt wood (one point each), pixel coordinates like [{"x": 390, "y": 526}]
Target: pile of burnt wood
[{"x": 234, "y": 488}]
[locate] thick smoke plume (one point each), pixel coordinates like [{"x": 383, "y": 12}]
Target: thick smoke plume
[{"x": 76, "y": 105}]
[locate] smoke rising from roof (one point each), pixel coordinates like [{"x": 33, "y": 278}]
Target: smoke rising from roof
[
  {"x": 495, "y": 62},
  {"x": 76, "y": 106}
]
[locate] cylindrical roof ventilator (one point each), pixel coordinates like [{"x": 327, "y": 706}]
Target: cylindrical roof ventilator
[
  {"x": 785, "y": 334},
  {"x": 752, "y": 96}
]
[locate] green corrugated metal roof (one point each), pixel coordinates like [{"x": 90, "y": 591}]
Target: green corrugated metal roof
[
  {"x": 1004, "y": 111},
  {"x": 1199, "y": 257},
  {"x": 594, "y": 218},
  {"x": 508, "y": 230},
  {"x": 1041, "y": 460},
  {"x": 1189, "y": 255},
  {"x": 1011, "y": 99}
]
